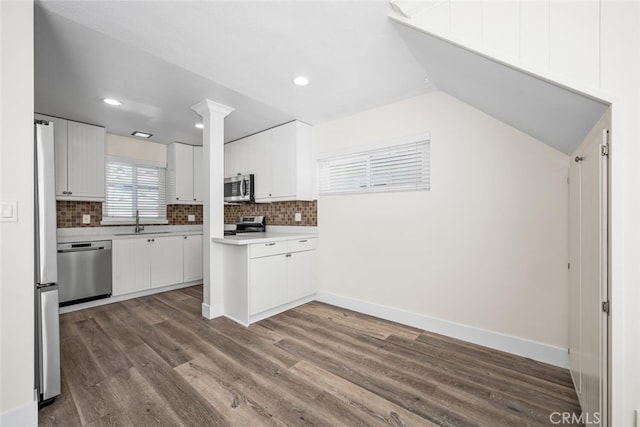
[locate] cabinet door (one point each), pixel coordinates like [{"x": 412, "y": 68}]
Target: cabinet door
[
  {"x": 268, "y": 283},
  {"x": 184, "y": 172},
  {"x": 192, "y": 258},
  {"x": 166, "y": 255},
  {"x": 283, "y": 161},
  {"x": 231, "y": 159},
  {"x": 85, "y": 161},
  {"x": 60, "y": 151},
  {"x": 301, "y": 274},
  {"x": 262, "y": 165},
  {"x": 198, "y": 174},
  {"x": 130, "y": 263}
]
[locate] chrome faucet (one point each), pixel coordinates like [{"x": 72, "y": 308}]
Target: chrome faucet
[{"x": 139, "y": 227}]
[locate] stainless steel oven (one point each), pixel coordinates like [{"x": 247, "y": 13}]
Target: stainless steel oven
[{"x": 239, "y": 189}]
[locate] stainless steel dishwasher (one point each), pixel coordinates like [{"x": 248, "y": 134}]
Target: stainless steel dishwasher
[{"x": 84, "y": 271}]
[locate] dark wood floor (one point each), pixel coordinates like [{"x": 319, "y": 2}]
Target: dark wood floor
[{"x": 156, "y": 361}]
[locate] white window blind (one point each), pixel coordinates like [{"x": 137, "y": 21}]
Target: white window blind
[
  {"x": 132, "y": 186},
  {"x": 401, "y": 167}
]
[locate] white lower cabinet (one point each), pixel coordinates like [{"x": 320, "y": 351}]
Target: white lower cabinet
[
  {"x": 152, "y": 262},
  {"x": 268, "y": 283},
  {"x": 192, "y": 258},
  {"x": 280, "y": 273},
  {"x": 131, "y": 270},
  {"x": 166, "y": 260}
]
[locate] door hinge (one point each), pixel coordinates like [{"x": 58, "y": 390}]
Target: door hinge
[
  {"x": 605, "y": 150},
  {"x": 568, "y": 266},
  {"x": 606, "y": 307}
]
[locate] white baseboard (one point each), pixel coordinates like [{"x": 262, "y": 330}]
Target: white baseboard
[
  {"x": 211, "y": 312},
  {"x": 22, "y": 416},
  {"x": 553, "y": 355}
]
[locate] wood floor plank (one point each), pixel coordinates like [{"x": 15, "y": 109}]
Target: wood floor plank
[
  {"x": 379, "y": 409},
  {"x": 179, "y": 395},
  {"x": 156, "y": 361}
]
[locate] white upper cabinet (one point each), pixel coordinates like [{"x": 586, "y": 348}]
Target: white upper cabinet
[
  {"x": 184, "y": 168},
  {"x": 79, "y": 156},
  {"x": 281, "y": 159},
  {"x": 198, "y": 174}
]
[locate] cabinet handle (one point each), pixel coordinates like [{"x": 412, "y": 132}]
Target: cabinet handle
[
  {"x": 194, "y": 199},
  {"x": 153, "y": 240},
  {"x": 185, "y": 237},
  {"x": 303, "y": 241},
  {"x": 177, "y": 198},
  {"x": 70, "y": 192},
  {"x": 269, "y": 244},
  {"x": 288, "y": 255},
  {"x": 148, "y": 240}
]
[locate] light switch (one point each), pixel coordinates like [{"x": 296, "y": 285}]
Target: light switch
[
  {"x": 298, "y": 217},
  {"x": 191, "y": 218},
  {"x": 9, "y": 211},
  {"x": 86, "y": 219}
]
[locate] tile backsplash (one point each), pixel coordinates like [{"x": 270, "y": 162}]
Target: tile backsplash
[
  {"x": 277, "y": 213},
  {"x": 69, "y": 213}
]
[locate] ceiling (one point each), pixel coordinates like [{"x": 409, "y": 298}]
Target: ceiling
[{"x": 160, "y": 58}]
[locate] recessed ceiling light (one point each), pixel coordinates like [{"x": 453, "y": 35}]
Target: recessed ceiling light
[
  {"x": 199, "y": 125},
  {"x": 301, "y": 81},
  {"x": 111, "y": 101},
  {"x": 142, "y": 134}
]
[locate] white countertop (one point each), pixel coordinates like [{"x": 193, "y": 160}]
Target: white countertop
[
  {"x": 269, "y": 236},
  {"x": 91, "y": 234}
]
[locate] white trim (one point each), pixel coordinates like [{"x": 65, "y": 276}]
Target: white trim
[
  {"x": 424, "y": 136},
  {"x": 22, "y": 416},
  {"x": 280, "y": 309},
  {"x": 124, "y": 297},
  {"x": 136, "y": 161},
  {"x": 211, "y": 311},
  {"x": 546, "y": 353}
]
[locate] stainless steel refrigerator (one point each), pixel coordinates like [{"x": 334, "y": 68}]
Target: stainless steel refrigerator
[{"x": 47, "y": 360}]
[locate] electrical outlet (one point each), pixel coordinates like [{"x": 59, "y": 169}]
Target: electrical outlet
[
  {"x": 298, "y": 217},
  {"x": 86, "y": 219},
  {"x": 191, "y": 218}
]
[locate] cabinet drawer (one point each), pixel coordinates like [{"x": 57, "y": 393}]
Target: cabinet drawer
[
  {"x": 265, "y": 249},
  {"x": 299, "y": 245}
]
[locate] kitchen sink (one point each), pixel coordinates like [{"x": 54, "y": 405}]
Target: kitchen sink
[{"x": 143, "y": 233}]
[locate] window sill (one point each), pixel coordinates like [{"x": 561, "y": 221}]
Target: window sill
[{"x": 127, "y": 221}]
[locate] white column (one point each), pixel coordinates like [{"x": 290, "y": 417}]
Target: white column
[{"x": 213, "y": 115}]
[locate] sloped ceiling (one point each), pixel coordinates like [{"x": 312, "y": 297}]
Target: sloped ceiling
[
  {"x": 159, "y": 58},
  {"x": 554, "y": 115}
]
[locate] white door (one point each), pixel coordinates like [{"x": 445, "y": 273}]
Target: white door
[
  {"x": 192, "y": 258},
  {"x": 301, "y": 273},
  {"x": 262, "y": 165},
  {"x": 231, "y": 159},
  {"x": 283, "y": 161},
  {"x": 85, "y": 160},
  {"x": 166, "y": 260},
  {"x": 184, "y": 172},
  {"x": 198, "y": 174},
  {"x": 130, "y": 264},
  {"x": 60, "y": 151},
  {"x": 268, "y": 283},
  {"x": 589, "y": 282}
]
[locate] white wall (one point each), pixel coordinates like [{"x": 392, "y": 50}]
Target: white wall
[
  {"x": 486, "y": 247},
  {"x": 16, "y": 238},
  {"x": 123, "y": 146}
]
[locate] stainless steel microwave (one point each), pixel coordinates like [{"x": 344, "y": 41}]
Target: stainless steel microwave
[{"x": 239, "y": 189}]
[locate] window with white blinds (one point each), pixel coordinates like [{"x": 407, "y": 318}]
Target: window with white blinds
[
  {"x": 400, "y": 167},
  {"x": 132, "y": 186}
]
